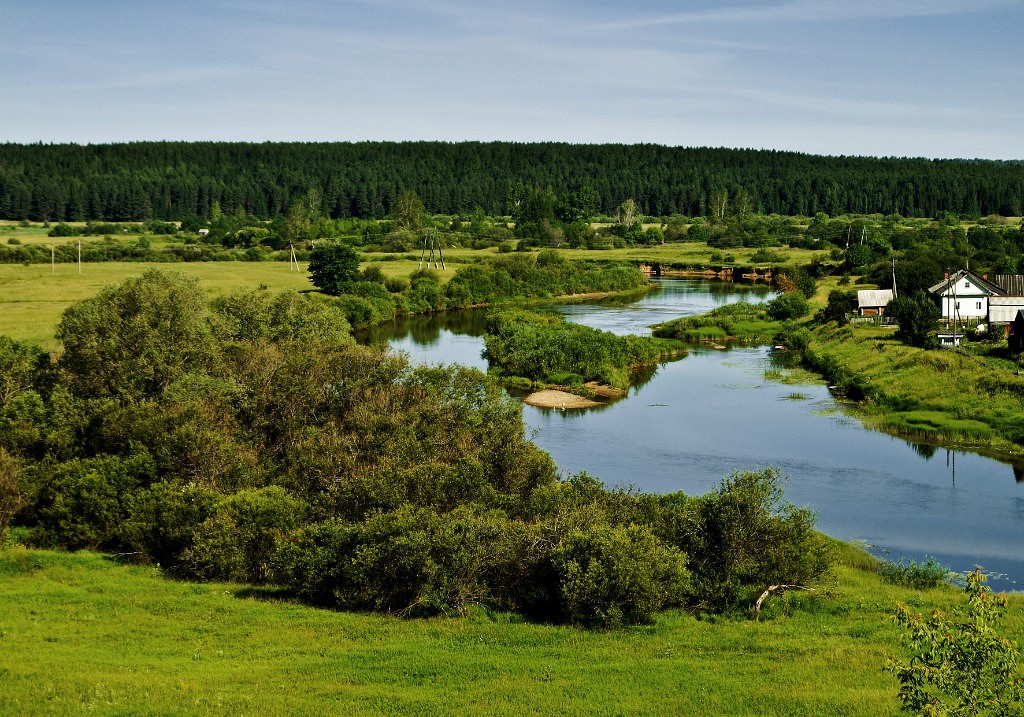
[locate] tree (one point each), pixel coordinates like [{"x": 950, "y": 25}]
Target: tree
[
  {"x": 11, "y": 496},
  {"x": 916, "y": 316},
  {"x": 959, "y": 664},
  {"x": 333, "y": 268},
  {"x": 718, "y": 205},
  {"x": 134, "y": 339},
  {"x": 409, "y": 212},
  {"x": 840, "y": 305}
]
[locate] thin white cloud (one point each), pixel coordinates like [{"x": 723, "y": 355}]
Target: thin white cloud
[{"x": 814, "y": 11}]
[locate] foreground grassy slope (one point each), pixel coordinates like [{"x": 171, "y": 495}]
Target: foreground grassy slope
[{"x": 80, "y": 633}]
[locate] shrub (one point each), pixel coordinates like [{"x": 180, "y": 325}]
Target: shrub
[
  {"x": 11, "y": 497},
  {"x": 80, "y": 503},
  {"x": 161, "y": 520},
  {"x": 928, "y": 574},
  {"x": 960, "y": 664},
  {"x": 742, "y": 537},
  {"x": 788, "y": 306},
  {"x": 239, "y": 540},
  {"x": 609, "y": 576}
]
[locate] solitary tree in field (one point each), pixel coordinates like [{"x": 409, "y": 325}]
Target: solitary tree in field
[{"x": 333, "y": 268}]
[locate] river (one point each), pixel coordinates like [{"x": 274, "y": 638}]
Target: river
[{"x": 696, "y": 420}]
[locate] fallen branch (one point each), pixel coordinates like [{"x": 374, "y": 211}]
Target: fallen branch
[{"x": 774, "y": 588}]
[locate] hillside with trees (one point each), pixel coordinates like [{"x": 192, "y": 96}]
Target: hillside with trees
[{"x": 175, "y": 181}]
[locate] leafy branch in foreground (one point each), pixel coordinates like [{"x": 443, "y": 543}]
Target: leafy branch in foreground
[{"x": 960, "y": 664}]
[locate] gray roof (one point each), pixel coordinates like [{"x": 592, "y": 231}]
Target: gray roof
[
  {"x": 985, "y": 284},
  {"x": 873, "y": 297},
  {"x": 1012, "y": 284}
]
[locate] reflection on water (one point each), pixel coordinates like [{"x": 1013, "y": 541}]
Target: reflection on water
[{"x": 694, "y": 421}]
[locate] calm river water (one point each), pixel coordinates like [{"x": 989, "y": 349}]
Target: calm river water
[{"x": 698, "y": 419}]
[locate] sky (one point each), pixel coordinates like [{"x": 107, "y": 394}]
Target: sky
[{"x": 899, "y": 78}]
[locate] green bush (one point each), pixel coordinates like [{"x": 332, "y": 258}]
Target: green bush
[
  {"x": 80, "y": 503},
  {"x": 12, "y": 498},
  {"x": 239, "y": 540},
  {"x": 960, "y": 664},
  {"x": 788, "y": 306},
  {"x": 743, "y": 537},
  {"x": 609, "y": 576},
  {"x": 928, "y": 574},
  {"x": 160, "y": 521}
]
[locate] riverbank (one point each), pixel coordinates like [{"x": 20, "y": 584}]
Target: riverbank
[{"x": 950, "y": 397}]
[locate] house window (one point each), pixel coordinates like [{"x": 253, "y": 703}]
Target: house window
[
  {"x": 978, "y": 306},
  {"x": 958, "y": 306}
]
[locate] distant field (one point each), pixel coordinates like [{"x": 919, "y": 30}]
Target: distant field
[
  {"x": 697, "y": 253},
  {"x": 32, "y": 298}
]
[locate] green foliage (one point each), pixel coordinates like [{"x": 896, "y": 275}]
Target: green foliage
[
  {"x": 333, "y": 267},
  {"x": 917, "y": 316},
  {"x": 25, "y": 379},
  {"x": 792, "y": 337},
  {"x": 609, "y": 575},
  {"x": 739, "y": 321},
  {"x": 743, "y": 537},
  {"x": 788, "y": 306},
  {"x": 545, "y": 275},
  {"x": 238, "y": 541},
  {"x": 132, "y": 340},
  {"x": 160, "y": 521},
  {"x": 12, "y": 498},
  {"x": 536, "y": 346},
  {"x": 840, "y": 305},
  {"x": 928, "y": 574},
  {"x": 960, "y": 664},
  {"x": 81, "y": 503}
]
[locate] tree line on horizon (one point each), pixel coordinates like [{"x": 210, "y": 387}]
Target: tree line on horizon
[{"x": 174, "y": 181}]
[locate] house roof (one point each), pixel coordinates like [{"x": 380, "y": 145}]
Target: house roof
[
  {"x": 984, "y": 284},
  {"x": 873, "y": 297},
  {"x": 1012, "y": 284}
]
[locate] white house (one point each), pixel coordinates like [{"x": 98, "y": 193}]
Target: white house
[{"x": 965, "y": 295}]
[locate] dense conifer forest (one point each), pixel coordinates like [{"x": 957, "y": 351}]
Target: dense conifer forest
[{"x": 177, "y": 180}]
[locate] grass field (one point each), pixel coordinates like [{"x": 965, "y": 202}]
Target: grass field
[
  {"x": 81, "y": 633},
  {"x": 32, "y": 298}
]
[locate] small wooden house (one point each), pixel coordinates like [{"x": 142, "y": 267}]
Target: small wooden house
[{"x": 873, "y": 302}]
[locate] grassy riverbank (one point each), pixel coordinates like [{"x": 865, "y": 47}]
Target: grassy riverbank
[
  {"x": 129, "y": 641},
  {"x": 933, "y": 395}
]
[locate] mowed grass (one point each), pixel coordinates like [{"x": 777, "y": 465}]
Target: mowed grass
[{"x": 80, "y": 633}]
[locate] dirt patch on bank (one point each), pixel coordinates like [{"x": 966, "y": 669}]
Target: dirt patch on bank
[{"x": 551, "y": 398}]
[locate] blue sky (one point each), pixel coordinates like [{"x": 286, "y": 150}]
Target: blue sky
[{"x": 932, "y": 78}]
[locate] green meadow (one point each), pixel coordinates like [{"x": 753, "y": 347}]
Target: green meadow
[
  {"x": 84, "y": 634},
  {"x": 32, "y": 298}
]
